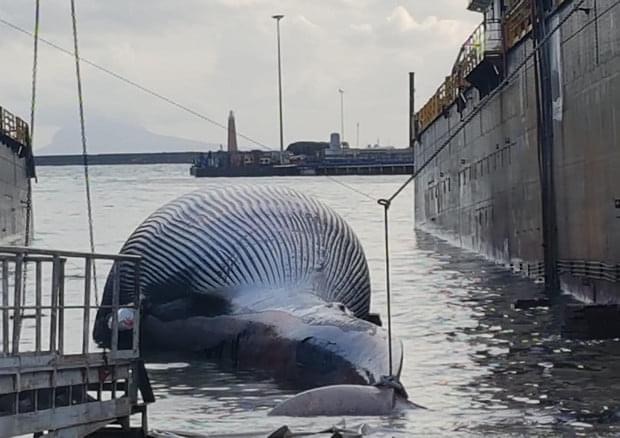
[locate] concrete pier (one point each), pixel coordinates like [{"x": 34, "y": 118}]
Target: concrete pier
[{"x": 13, "y": 180}]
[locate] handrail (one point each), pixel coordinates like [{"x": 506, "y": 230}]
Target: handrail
[
  {"x": 14, "y": 127},
  {"x": 470, "y": 55},
  {"x": 64, "y": 253},
  {"x": 50, "y": 276},
  {"x": 486, "y": 37}
]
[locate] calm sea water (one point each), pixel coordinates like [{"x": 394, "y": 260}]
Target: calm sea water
[{"x": 478, "y": 365}]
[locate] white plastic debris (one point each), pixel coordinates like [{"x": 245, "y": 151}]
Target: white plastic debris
[{"x": 125, "y": 319}]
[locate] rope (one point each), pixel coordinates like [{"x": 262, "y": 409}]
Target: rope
[
  {"x": 353, "y": 189},
  {"x": 84, "y": 148},
  {"x": 35, "y": 65},
  {"x": 386, "y": 207},
  {"x": 33, "y": 100}
]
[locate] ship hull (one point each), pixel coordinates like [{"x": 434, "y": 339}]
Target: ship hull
[
  {"x": 13, "y": 193},
  {"x": 483, "y": 191}
]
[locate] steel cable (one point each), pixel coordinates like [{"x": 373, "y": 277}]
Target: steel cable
[
  {"x": 84, "y": 146},
  {"x": 33, "y": 100}
]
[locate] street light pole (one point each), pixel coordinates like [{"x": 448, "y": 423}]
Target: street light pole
[
  {"x": 278, "y": 18},
  {"x": 341, "y": 91}
]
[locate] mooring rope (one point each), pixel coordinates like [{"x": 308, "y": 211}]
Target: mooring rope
[
  {"x": 33, "y": 100},
  {"x": 84, "y": 147},
  {"x": 386, "y": 206}
]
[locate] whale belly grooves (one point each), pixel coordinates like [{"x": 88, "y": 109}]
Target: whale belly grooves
[{"x": 260, "y": 276}]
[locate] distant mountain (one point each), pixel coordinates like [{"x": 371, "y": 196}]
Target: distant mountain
[{"x": 112, "y": 136}]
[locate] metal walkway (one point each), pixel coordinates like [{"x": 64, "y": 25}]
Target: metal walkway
[{"x": 52, "y": 379}]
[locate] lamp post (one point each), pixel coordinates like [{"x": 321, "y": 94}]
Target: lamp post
[
  {"x": 341, "y": 91},
  {"x": 278, "y": 18}
]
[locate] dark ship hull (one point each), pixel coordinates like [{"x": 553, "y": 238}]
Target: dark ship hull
[
  {"x": 16, "y": 167},
  {"x": 544, "y": 205}
]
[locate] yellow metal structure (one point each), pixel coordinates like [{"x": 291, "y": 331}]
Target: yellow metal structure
[{"x": 13, "y": 127}]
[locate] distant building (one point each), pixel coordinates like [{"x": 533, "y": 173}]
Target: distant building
[
  {"x": 335, "y": 145},
  {"x": 308, "y": 149}
]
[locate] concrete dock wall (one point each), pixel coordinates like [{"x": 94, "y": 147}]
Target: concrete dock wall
[
  {"x": 483, "y": 192},
  {"x": 13, "y": 194},
  {"x": 587, "y": 151}
]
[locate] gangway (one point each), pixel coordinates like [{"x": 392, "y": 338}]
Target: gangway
[{"x": 53, "y": 379}]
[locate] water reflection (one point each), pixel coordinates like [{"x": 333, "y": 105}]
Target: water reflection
[
  {"x": 550, "y": 384},
  {"x": 479, "y": 365}
]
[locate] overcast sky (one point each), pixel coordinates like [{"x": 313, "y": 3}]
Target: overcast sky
[{"x": 218, "y": 55}]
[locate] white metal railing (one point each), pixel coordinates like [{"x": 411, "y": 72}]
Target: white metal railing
[
  {"x": 44, "y": 384},
  {"x": 46, "y": 292}
]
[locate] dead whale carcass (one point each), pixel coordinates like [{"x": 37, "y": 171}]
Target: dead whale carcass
[{"x": 262, "y": 277}]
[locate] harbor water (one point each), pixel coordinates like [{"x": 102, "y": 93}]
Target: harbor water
[{"x": 479, "y": 366}]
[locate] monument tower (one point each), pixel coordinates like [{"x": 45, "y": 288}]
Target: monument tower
[{"x": 232, "y": 134}]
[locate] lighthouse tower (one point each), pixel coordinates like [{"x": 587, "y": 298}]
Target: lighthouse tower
[{"x": 232, "y": 134}]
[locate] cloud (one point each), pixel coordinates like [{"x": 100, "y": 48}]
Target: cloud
[
  {"x": 219, "y": 55},
  {"x": 401, "y": 29}
]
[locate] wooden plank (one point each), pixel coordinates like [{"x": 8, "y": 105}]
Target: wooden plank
[
  {"x": 115, "y": 303},
  {"x": 54, "y": 302},
  {"x": 38, "y": 304},
  {"x": 65, "y": 417},
  {"x": 81, "y": 430},
  {"x": 33, "y": 362},
  {"x": 125, "y": 355},
  {"x": 138, "y": 303},
  {"x": 17, "y": 303},
  {"x": 108, "y": 386},
  {"x": 7, "y": 384},
  {"x": 88, "y": 268},
  {"x": 5, "y": 304},
  {"x": 51, "y": 360},
  {"x": 61, "y": 308},
  {"x": 9, "y": 364},
  {"x": 42, "y": 379},
  {"x": 66, "y": 307},
  {"x": 27, "y": 258}
]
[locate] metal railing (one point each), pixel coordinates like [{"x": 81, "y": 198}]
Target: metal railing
[
  {"x": 493, "y": 36},
  {"x": 485, "y": 40},
  {"x": 17, "y": 300},
  {"x": 14, "y": 127},
  {"x": 45, "y": 384},
  {"x": 518, "y": 22}
]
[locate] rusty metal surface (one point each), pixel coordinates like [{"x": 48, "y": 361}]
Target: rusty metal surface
[
  {"x": 483, "y": 191},
  {"x": 13, "y": 127},
  {"x": 13, "y": 194}
]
